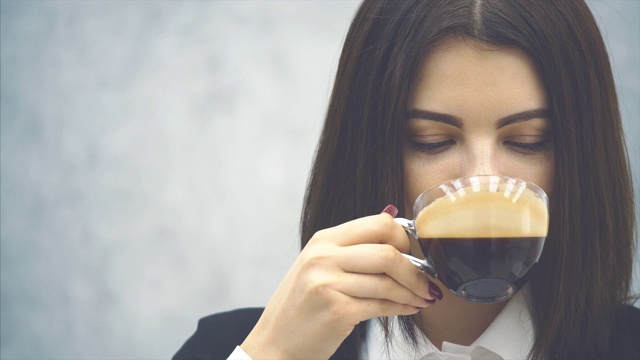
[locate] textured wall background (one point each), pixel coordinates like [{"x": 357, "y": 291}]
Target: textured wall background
[{"x": 154, "y": 157}]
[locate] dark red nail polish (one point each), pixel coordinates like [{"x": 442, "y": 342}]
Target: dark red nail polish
[
  {"x": 391, "y": 210},
  {"x": 430, "y": 302},
  {"x": 435, "y": 291}
]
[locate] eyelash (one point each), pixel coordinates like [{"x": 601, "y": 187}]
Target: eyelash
[
  {"x": 438, "y": 147},
  {"x": 529, "y": 148},
  {"x": 432, "y": 148}
]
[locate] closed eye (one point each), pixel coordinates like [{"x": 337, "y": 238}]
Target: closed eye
[
  {"x": 432, "y": 148},
  {"x": 529, "y": 147}
]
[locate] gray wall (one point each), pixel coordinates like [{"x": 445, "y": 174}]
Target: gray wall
[{"x": 154, "y": 157}]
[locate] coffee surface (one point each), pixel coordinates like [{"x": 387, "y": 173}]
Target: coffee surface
[{"x": 484, "y": 214}]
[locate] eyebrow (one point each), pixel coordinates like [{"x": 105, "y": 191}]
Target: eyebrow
[
  {"x": 523, "y": 116},
  {"x": 457, "y": 122},
  {"x": 435, "y": 116}
]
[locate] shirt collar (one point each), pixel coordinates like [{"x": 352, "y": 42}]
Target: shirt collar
[{"x": 510, "y": 336}]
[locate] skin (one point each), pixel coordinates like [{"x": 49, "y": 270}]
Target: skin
[
  {"x": 345, "y": 275},
  {"x": 495, "y": 106},
  {"x": 355, "y": 271}
]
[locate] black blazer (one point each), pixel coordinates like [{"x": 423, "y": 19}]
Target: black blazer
[{"x": 218, "y": 335}]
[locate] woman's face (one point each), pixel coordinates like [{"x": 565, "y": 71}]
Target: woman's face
[{"x": 476, "y": 110}]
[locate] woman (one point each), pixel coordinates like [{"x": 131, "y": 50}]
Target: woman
[{"x": 428, "y": 91}]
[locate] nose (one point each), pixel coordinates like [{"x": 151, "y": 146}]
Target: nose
[{"x": 481, "y": 160}]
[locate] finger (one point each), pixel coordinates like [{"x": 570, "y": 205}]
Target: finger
[
  {"x": 375, "y": 229},
  {"x": 359, "y": 309},
  {"x": 384, "y": 259},
  {"x": 379, "y": 286}
]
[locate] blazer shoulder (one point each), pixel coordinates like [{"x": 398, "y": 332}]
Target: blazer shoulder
[
  {"x": 218, "y": 335},
  {"x": 627, "y": 320},
  {"x": 626, "y": 332}
]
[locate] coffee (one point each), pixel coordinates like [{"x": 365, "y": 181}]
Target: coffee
[{"x": 483, "y": 243}]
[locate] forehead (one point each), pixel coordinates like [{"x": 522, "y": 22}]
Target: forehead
[{"x": 472, "y": 75}]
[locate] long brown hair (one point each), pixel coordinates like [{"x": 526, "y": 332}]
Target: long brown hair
[{"x": 586, "y": 266}]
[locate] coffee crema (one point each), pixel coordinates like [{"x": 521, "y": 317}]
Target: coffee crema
[{"x": 503, "y": 213}]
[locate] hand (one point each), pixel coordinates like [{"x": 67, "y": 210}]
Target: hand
[{"x": 345, "y": 274}]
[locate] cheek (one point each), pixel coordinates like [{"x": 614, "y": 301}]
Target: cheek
[
  {"x": 547, "y": 178},
  {"x": 420, "y": 175},
  {"x": 413, "y": 179},
  {"x": 540, "y": 172}
]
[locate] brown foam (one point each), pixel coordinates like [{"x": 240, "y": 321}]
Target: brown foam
[{"x": 466, "y": 214}]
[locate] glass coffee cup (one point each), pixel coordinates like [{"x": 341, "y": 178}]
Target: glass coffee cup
[{"x": 481, "y": 235}]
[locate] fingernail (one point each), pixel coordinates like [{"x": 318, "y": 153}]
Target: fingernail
[
  {"x": 391, "y": 210},
  {"x": 430, "y": 302},
  {"x": 435, "y": 291}
]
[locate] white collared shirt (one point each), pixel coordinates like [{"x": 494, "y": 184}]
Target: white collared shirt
[{"x": 510, "y": 336}]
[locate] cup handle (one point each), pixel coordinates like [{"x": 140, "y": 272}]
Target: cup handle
[{"x": 424, "y": 265}]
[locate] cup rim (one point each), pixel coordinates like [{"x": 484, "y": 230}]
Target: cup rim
[{"x": 501, "y": 179}]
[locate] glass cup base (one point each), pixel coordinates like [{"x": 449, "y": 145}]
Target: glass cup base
[{"x": 487, "y": 290}]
